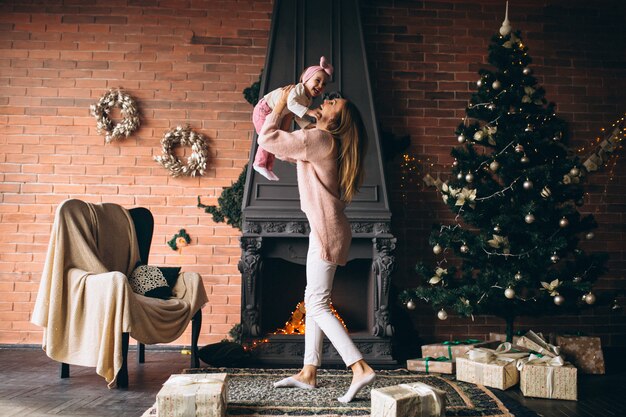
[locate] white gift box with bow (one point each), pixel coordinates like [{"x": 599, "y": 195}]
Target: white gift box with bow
[
  {"x": 492, "y": 368},
  {"x": 193, "y": 395},
  {"x": 548, "y": 377},
  {"x": 408, "y": 400}
]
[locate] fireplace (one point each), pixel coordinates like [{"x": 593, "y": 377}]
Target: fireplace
[{"x": 275, "y": 232}]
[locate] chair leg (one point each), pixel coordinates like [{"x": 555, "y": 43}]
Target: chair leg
[
  {"x": 65, "y": 370},
  {"x": 141, "y": 352},
  {"x": 122, "y": 375},
  {"x": 196, "y": 324}
]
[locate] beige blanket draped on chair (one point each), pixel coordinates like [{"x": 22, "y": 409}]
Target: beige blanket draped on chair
[{"x": 85, "y": 302}]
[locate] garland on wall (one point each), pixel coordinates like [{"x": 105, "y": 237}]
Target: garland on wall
[
  {"x": 102, "y": 112},
  {"x": 196, "y": 162}
]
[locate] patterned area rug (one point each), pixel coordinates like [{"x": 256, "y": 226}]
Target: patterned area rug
[{"x": 251, "y": 393}]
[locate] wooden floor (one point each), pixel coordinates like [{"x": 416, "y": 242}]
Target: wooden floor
[{"x": 30, "y": 386}]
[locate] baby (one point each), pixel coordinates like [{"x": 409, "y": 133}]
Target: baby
[{"x": 312, "y": 83}]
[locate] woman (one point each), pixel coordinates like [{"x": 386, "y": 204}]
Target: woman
[{"x": 329, "y": 170}]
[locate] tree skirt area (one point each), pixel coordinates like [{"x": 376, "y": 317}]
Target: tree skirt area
[{"x": 251, "y": 392}]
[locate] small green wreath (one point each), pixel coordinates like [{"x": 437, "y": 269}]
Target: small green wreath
[
  {"x": 184, "y": 136},
  {"x": 180, "y": 240},
  {"x": 130, "y": 115}
]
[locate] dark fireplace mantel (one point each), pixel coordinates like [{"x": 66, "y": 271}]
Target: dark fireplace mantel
[{"x": 275, "y": 231}]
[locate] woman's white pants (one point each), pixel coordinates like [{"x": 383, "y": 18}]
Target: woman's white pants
[{"x": 319, "y": 318}]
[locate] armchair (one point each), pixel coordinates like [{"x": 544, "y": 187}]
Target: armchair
[{"x": 85, "y": 302}]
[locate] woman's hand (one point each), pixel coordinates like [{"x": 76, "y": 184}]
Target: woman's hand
[{"x": 282, "y": 101}]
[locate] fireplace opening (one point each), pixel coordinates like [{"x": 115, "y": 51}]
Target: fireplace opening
[{"x": 283, "y": 284}]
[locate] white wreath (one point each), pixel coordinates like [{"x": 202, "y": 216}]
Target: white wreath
[
  {"x": 130, "y": 115},
  {"x": 184, "y": 136}
]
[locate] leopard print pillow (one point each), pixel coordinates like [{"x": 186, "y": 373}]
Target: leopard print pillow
[{"x": 149, "y": 281}]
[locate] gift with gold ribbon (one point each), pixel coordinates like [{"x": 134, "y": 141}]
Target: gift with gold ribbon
[
  {"x": 193, "y": 395},
  {"x": 408, "y": 400},
  {"x": 453, "y": 348},
  {"x": 546, "y": 376},
  {"x": 536, "y": 342},
  {"x": 440, "y": 364},
  {"x": 494, "y": 368}
]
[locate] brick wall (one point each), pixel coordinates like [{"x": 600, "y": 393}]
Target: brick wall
[
  {"x": 184, "y": 62},
  {"x": 188, "y": 61}
]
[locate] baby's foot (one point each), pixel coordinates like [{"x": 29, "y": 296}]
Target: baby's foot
[
  {"x": 356, "y": 386},
  {"x": 265, "y": 172}
]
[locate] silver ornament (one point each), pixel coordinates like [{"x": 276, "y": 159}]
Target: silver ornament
[
  {"x": 559, "y": 299},
  {"x": 554, "y": 258},
  {"x": 529, "y": 218},
  {"x": 497, "y": 228},
  {"x": 442, "y": 315},
  {"x": 464, "y": 248},
  {"x": 437, "y": 249},
  {"x": 478, "y": 136},
  {"x": 518, "y": 276},
  {"x": 494, "y": 165},
  {"x": 524, "y": 159},
  {"x": 545, "y": 192},
  {"x": 455, "y": 163},
  {"x": 509, "y": 293},
  {"x": 410, "y": 305},
  {"x": 577, "y": 279},
  {"x": 528, "y": 185},
  {"x": 563, "y": 222},
  {"x": 519, "y": 148},
  {"x": 459, "y": 176},
  {"x": 574, "y": 172},
  {"x": 461, "y": 138},
  {"x": 469, "y": 177},
  {"x": 496, "y": 85},
  {"x": 589, "y": 236},
  {"x": 590, "y": 298},
  {"x": 479, "y": 82},
  {"x": 526, "y": 71}
]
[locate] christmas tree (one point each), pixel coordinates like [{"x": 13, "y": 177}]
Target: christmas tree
[{"x": 515, "y": 190}]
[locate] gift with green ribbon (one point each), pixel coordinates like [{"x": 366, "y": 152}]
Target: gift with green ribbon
[{"x": 440, "y": 364}]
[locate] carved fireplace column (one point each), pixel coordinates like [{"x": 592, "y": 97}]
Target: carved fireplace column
[
  {"x": 250, "y": 266},
  {"x": 383, "y": 265}
]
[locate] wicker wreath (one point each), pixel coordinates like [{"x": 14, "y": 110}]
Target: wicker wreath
[
  {"x": 130, "y": 115},
  {"x": 184, "y": 136}
]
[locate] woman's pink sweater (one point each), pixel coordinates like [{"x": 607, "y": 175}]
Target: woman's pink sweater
[{"x": 318, "y": 183}]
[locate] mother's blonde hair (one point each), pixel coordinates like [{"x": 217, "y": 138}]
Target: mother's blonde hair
[{"x": 350, "y": 132}]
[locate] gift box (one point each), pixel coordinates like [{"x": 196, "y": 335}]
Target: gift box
[
  {"x": 193, "y": 395},
  {"x": 492, "y": 368},
  {"x": 441, "y": 365},
  {"x": 408, "y": 400},
  {"x": 501, "y": 337},
  {"x": 537, "y": 343},
  {"x": 548, "y": 377},
  {"x": 584, "y": 352},
  {"x": 453, "y": 348}
]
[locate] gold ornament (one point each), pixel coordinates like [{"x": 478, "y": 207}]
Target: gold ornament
[
  {"x": 563, "y": 222},
  {"x": 469, "y": 177},
  {"x": 590, "y": 298},
  {"x": 461, "y": 138},
  {"x": 494, "y": 165},
  {"x": 410, "y": 305},
  {"x": 528, "y": 184},
  {"x": 518, "y": 276},
  {"x": 559, "y": 300},
  {"x": 509, "y": 293},
  {"x": 529, "y": 218},
  {"x": 442, "y": 315},
  {"x": 464, "y": 248},
  {"x": 545, "y": 192},
  {"x": 437, "y": 249}
]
